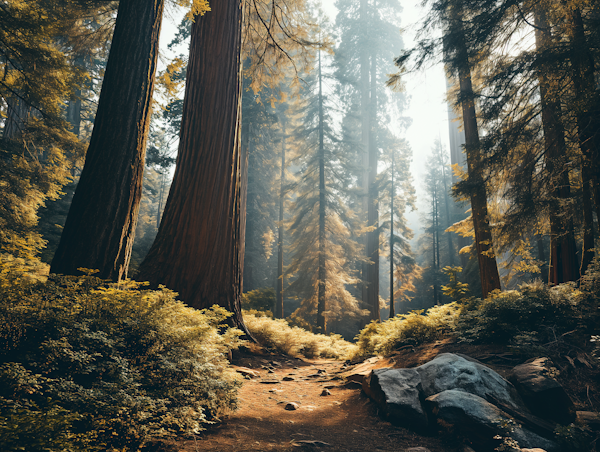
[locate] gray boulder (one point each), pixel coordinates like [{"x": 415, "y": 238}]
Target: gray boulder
[
  {"x": 398, "y": 392},
  {"x": 480, "y": 421},
  {"x": 449, "y": 371},
  {"x": 542, "y": 393}
]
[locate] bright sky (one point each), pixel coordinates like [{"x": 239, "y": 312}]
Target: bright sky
[{"x": 426, "y": 89}]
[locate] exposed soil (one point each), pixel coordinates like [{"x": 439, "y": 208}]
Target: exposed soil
[{"x": 345, "y": 420}]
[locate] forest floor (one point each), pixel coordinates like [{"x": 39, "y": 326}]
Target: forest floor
[{"x": 346, "y": 420}]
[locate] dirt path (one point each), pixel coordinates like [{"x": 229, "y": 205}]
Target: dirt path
[{"x": 345, "y": 420}]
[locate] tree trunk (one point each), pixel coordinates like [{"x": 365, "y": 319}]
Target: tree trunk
[
  {"x": 100, "y": 226},
  {"x": 74, "y": 104},
  {"x": 373, "y": 201},
  {"x": 488, "y": 269},
  {"x": 587, "y": 127},
  {"x": 321, "y": 321},
  {"x": 434, "y": 264},
  {"x": 279, "y": 300},
  {"x": 448, "y": 220},
  {"x": 199, "y": 248},
  {"x": 365, "y": 130},
  {"x": 563, "y": 258},
  {"x": 392, "y": 307}
]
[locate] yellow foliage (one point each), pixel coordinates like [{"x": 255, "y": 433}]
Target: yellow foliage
[
  {"x": 294, "y": 341},
  {"x": 413, "y": 328},
  {"x": 197, "y": 7}
]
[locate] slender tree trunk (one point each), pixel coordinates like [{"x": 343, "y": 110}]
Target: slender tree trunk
[
  {"x": 365, "y": 131},
  {"x": 279, "y": 300},
  {"x": 488, "y": 269},
  {"x": 17, "y": 114},
  {"x": 100, "y": 226},
  {"x": 392, "y": 307},
  {"x": 587, "y": 128},
  {"x": 74, "y": 104},
  {"x": 199, "y": 248},
  {"x": 563, "y": 258},
  {"x": 433, "y": 246},
  {"x": 321, "y": 321},
  {"x": 448, "y": 219},
  {"x": 373, "y": 201}
]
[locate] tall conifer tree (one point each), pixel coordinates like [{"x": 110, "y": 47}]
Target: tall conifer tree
[{"x": 100, "y": 226}]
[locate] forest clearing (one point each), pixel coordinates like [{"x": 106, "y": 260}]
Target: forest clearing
[{"x": 275, "y": 225}]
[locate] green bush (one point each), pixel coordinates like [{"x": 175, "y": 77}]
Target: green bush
[
  {"x": 259, "y": 300},
  {"x": 278, "y": 335},
  {"x": 511, "y": 315},
  {"x": 86, "y": 365},
  {"x": 413, "y": 328}
]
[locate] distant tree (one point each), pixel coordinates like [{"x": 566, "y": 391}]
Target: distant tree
[
  {"x": 368, "y": 41},
  {"x": 321, "y": 246},
  {"x": 396, "y": 196}
]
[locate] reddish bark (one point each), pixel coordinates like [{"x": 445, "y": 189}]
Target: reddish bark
[
  {"x": 199, "y": 249},
  {"x": 100, "y": 226}
]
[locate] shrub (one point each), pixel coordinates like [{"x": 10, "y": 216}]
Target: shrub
[
  {"x": 89, "y": 365},
  {"x": 534, "y": 308},
  {"x": 413, "y": 328},
  {"x": 278, "y": 335},
  {"x": 259, "y": 300}
]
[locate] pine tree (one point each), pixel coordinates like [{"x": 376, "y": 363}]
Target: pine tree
[
  {"x": 321, "y": 247},
  {"x": 367, "y": 44},
  {"x": 38, "y": 151}
]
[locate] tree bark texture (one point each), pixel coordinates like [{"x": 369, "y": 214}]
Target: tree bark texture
[
  {"x": 199, "y": 248},
  {"x": 488, "y": 268},
  {"x": 563, "y": 258},
  {"x": 100, "y": 226}
]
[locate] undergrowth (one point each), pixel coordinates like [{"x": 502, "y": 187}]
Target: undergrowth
[
  {"x": 414, "y": 328},
  {"x": 86, "y": 365},
  {"x": 533, "y": 320},
  {"x": 279, "y": 336}
]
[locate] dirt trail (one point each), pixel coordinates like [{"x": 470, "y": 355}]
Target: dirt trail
[{"x": 345, "y": 420}]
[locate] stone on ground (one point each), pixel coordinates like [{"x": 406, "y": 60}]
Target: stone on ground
[
  {"x": 398, "y": 392},
  {"x": 449, "y": 371},
  {"x": 543, "y": 395},
  {"x": 480, "y": 421}
]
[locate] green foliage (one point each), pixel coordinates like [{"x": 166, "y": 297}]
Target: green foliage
[
  {"x": 534, "y": 307},
  {"x": 413, "y": 328},
  {"x": 259, "y": 300},
  {"x": 278, "y": 335},
  {"x": 88, "y": 365},
  {"x": 455, "y": 289}
]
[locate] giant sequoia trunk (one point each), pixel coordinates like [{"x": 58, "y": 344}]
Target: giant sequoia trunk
[
  {"x": 199, "y": 248},
  {"x": 100, "y": 226},
  {"x": 563, "y": 259},
  {"x": 488, "y": 269}
]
